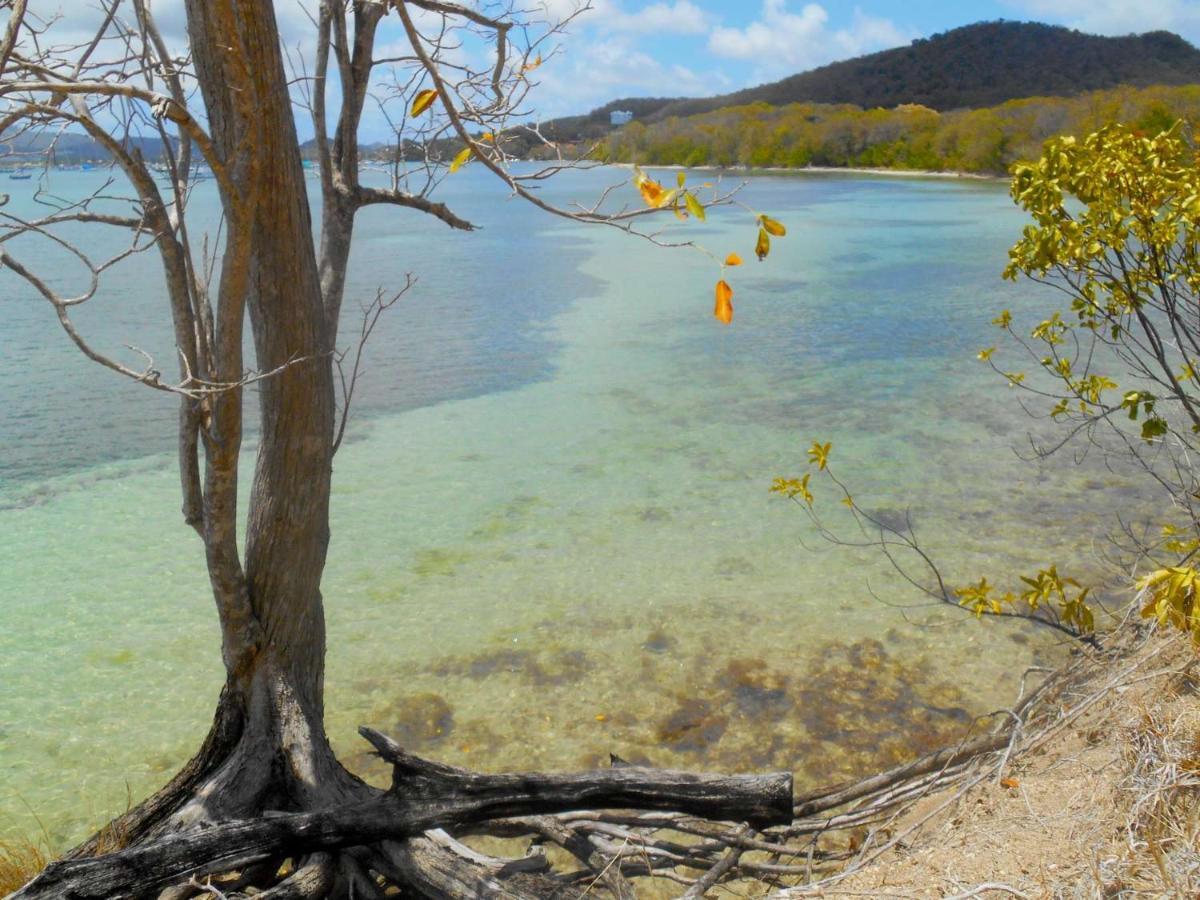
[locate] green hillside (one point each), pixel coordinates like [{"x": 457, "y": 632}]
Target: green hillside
[{"x": 975, "y": 66}]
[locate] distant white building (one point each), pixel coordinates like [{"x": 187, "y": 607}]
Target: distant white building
[{"x": 620, "y": 116}]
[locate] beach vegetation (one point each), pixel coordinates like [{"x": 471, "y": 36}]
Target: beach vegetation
[
  {"x": 908, "y": 137},
  {"x": 1116, "y": 232}
]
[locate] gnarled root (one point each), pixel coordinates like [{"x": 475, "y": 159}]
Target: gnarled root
[
  {"x": 424, "y": 796},
  {"x": 617, "y": 825}
]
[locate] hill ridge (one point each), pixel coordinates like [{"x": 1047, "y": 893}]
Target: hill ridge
[{"x": 977, "y": 65}]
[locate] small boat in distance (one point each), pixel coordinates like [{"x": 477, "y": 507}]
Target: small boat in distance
[{"x": 19, "y": 175}]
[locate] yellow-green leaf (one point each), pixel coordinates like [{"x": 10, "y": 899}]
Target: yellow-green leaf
[
  {"x": 819, "y": 454},
  {"x": 464, "y": 156},
  {"x": 793, "y": 488},
  {"x": 772, "y": 226},
  {"x": 694, "y": 206},
  {"x": 423, "y": 101}
]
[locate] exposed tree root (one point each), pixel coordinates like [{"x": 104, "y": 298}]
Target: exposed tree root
[
  {"x": 423, "y": 796},
  {"x": 616, "y": 825}
]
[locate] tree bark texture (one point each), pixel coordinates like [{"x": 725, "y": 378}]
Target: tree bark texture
[{"x": 240, "y": 70}]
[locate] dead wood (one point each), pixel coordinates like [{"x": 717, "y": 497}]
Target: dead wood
[
  {"x": 436, "y": 865},
  {"x": 313, "y": 879},
  {"x": 424, "y": 796}
]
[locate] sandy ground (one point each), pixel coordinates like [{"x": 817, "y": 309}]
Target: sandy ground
[{"x": 1107, "y": 808}]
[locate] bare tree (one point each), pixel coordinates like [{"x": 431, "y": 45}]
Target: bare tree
[{"x": 225, "y": 106}]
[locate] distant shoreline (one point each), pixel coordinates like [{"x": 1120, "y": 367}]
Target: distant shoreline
[
  {"x": 823, "y": 170},
  {"x": 892, "y": 173}
]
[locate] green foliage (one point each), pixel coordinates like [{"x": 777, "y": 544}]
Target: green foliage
[
  {"x": 1170, "y": 597},
  {"x": 1116, "y": 226},
  {"x": 1048, "y": 597},
  {"x": 1045, "y": 588},
  {"x": 1141, "y": 199},
  {"x": 908, "y": 136},
  {"x": 1115, "y": 223}
]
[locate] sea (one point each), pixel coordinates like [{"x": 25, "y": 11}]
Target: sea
[{"x": 553, "y": 534}]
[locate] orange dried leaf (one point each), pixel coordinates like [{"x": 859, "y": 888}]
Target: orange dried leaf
[
  {"x": 724, "y": 308},
  {"x": 423, "y": 101},
  {"x": 652, "y": 192},
  {"x": 763, "y": 247},
  {"x": 529, "y": 67},
  {"x": 733, "y": 260},
  {"x": 772, "y": 227},
  {"x": 1010, "y": 783}
]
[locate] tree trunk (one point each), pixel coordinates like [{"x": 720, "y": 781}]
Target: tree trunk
[
  {"x": 267, "y": 748},
  {"x": 241, "y": 74}
]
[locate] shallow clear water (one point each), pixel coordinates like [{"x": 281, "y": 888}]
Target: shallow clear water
[{"x": 552, "y": 534}]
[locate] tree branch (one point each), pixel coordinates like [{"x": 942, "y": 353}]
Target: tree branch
[
  {"x": 365, "y": 196},
  {"x": 15, "y": 20}
]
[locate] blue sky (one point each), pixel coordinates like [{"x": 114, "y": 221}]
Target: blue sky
[
  {"x": 700, "y": 47},
  {"x": 647, "y": 48}
]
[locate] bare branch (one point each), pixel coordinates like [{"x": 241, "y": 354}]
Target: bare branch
[
  {"x": 15, "y": 20},
  {"x": 370, "y": 319},
  {"x": 368, "y": 196}
]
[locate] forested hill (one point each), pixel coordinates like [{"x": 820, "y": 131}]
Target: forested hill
[{"x": 974, "y": 66}]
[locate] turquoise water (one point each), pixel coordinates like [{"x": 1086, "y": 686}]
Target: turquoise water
[{"x": 552, "y": 534}]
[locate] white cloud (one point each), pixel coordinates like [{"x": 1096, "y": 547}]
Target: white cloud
[
  {"x": 680, "y": 17},
  {"x": 79, "y": 19},
  {"x": 784, "y": 42},
  {"x": 674, "y": 17},
  {"x": 1119, "y": 16},
  {"x": 608, "y": 50},
  {"x": 609, "y": 67}
]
